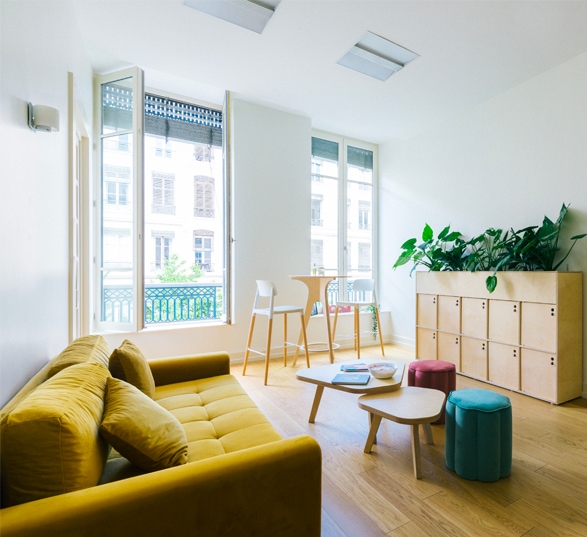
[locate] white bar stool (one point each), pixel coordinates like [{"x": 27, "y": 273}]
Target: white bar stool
[
  {"x": 266, "y": 290},
  {"x": 362, "y": 294}
]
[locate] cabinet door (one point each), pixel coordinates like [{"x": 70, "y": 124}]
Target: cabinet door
[
  {"x": 449, "y": 349},
  {"x": 425, "y": 344},
  {"x": 504, "y": 365},
  {"x": 539, "y": 374},
  {"x": 504, "y": 321},
  {"x": 474, "y": 317},
  {"x": 449, "y": 314},
  {"x": 474, "y": 357},
  {"x": 426, "y": 310},
  {"x": 539, "y": 326}
]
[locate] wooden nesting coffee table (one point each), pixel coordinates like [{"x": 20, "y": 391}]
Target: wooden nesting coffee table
[
  {"x": 410, "y": 405},
  {"x": 322, "y": 376}
]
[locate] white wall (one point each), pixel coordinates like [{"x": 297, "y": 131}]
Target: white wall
[
  {"x": 507, "y": 164},
  {"x": 35, "y": 62},
  {"x": 271, "y": 164}
]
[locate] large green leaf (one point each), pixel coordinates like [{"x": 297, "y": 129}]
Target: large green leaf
[
  {"x": 409, "y": 244},
  {"x": 443, "y": 233},
  {"x": 491, "y": 283},
  {"x": 427, "y": 234}
]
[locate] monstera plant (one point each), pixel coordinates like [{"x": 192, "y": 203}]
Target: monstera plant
[{"x": 530, "y": 248}]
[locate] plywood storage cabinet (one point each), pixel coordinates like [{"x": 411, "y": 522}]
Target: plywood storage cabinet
[{"x": 525, "y": 336}]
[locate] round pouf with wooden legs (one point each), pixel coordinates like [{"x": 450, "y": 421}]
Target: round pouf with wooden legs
[
  {"x": 479, "y": 434},
  {"x": 435, "y": 374}
]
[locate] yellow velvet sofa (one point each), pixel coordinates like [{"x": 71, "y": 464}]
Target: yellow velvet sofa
[{"x": 232, "y": 474}]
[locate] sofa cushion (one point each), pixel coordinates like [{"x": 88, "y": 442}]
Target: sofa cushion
[
  {"x": 84, "y": 349},
  {"x": 217, "y": 415},
  {"x": 141, "y": 430},
  {"x": 128, "y": 363},
  {"x": 51, "y": 442}
]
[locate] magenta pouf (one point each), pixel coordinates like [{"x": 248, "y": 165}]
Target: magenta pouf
[{"x": 435, "y": 374}]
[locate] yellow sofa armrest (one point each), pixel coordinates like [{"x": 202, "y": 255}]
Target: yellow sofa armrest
[
  {"x": 185, "y": 368},
  {"x": 274, "y": 489}
]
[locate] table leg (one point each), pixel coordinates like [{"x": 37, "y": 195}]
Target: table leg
[
  {"x": 428, "y": 433},
  {"x": 376, "y": 421},
  {"x": 316, "y": 403},
  {"x": 416, "y": 450},
  {"x": 307, "y": 314},
  {"x": 370, "y": 417},
  {"x": 327, "y": 316}
]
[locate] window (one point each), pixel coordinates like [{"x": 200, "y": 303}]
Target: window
[
  {"x": 316, "y": 209},
  {"x": 343, "y": 179},
  {"x": 159, "y": 151},
  {"x": 203, "y": 249},
  {"x": 162, "y": 248},
  {"x": 317, "y": 256},
  {"x": 364, "y": 212},
  {"x": 204, "y": 196},
  {"x": 117, "y": 179},
  {"x": 163, "y": 193},
  {"x": 151, "y": 266}
]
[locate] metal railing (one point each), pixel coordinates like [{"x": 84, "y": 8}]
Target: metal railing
[{"x": 164, "y": 302}]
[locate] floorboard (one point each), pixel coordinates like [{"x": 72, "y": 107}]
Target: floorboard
[{"x": 376, "y": 494}]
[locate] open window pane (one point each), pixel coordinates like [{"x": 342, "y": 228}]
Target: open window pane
[
  {"x": 325, "y": 212},
  {"x": 118, "y": 203}
]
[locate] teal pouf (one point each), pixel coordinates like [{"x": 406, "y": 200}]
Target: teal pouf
[{"x": 479, "y": 434}]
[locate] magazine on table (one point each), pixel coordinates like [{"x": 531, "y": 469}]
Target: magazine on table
[
  {"x": 352, "y": 378},
  {"x": 354, "y": 368}
]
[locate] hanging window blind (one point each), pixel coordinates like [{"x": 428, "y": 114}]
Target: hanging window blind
[
  {"x": 361, "y": 158},
  {"x": 324, "y": 149},
  {"x": 163, "y": 117}
]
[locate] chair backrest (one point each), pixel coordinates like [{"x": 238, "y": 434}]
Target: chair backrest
[
  {"x": 361, "y": 287},
  {"x": 364, "y": 284},
  {"x": 265, "y": 290}
]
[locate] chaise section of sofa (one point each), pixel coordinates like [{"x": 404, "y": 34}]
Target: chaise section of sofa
[{"x": 241, "y": 477}]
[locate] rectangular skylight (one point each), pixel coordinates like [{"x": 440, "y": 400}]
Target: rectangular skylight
[
  {"x": 377, "y": 57},
  {"x": 250, "y": 14}
]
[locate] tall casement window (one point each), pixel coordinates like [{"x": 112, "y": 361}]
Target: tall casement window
[
  {"x": 343, "y": 180},
  {"x": 162, "y": 192}
]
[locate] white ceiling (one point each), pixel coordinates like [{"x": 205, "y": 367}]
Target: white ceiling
[{"x": 470, "y": 51}]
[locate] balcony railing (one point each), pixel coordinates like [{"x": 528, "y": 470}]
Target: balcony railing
[{"x": 164, "y": 303}]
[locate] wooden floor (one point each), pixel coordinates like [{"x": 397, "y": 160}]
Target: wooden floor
[{"x": 376, "y": 494}]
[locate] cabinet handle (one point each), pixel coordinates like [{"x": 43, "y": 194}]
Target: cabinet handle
[
  {"x": 433, "y": 335},
  {"x": 434, "y": 300},
  {"x": 483, "y": 305},
  {"x": 457, "y": 303},
  {"x": 515, "y": 308},
  {"x": 515, "y": 353},
  {"x": 456, "y": 341},
  {"x": 552, "y": 312},
  {"x": 483, "y": 346}
]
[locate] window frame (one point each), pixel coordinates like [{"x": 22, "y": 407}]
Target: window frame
[
  {"x": 344, "y": 212},
  {"x": 136, "y": 195}
]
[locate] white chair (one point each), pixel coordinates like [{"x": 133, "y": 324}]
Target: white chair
[
  {"x": 266, "y": 291},
  {"x": 361, "y": 295}
]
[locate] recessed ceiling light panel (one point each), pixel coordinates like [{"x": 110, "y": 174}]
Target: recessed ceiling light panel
[
  {"x": 377, "y": 57},
  {"x": 250, "y": 14}
]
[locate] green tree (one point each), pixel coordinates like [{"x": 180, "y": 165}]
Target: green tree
[{"x": 175, "y": 270}]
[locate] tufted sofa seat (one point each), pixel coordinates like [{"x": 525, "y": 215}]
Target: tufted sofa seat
[{"x": 241, "y": 477}]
